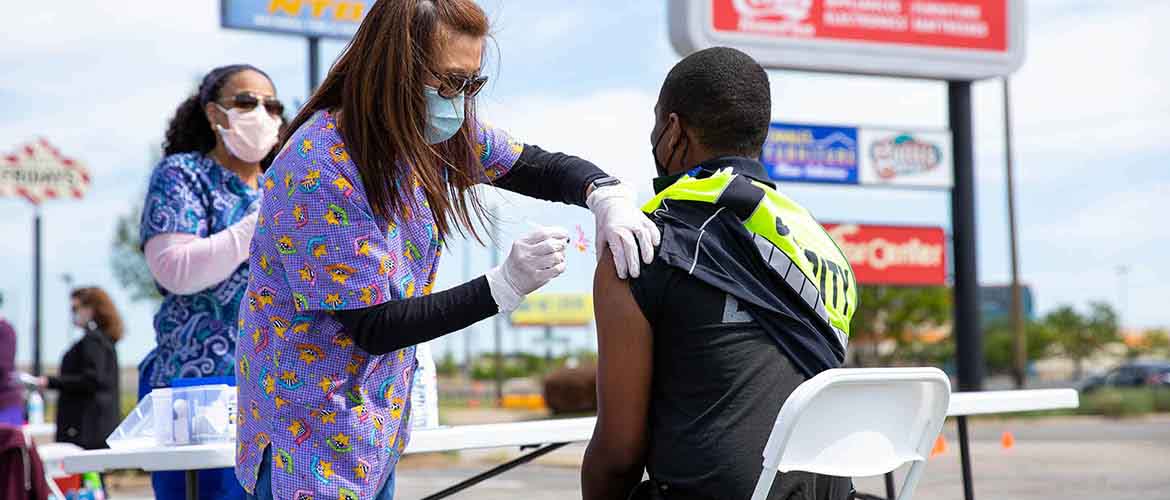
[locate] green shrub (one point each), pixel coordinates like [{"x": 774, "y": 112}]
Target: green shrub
[
  {"x": 1162, "y": 400},
  {"x": 1119, "y": 402}
]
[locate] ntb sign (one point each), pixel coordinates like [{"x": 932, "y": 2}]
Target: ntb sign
[{"x": 310, "y": 18}]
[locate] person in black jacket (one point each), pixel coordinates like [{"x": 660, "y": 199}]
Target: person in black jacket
[{"x": 88, "y": 408}]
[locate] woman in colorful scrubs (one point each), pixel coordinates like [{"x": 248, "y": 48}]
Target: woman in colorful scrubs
[
  {"x": 378, "y": 169},
  {"x": 197, "y": 222}
]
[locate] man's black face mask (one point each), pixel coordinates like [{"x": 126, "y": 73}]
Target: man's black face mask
[{"x": 665, "y": 179}]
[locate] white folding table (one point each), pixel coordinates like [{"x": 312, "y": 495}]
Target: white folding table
[{"x": 544, "y": 435}]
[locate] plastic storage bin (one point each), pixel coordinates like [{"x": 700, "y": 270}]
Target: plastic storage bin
[{"x": 178, "y": 416}]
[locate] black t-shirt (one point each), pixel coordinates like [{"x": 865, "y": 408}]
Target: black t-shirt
[{"x": 718, "y": 383}]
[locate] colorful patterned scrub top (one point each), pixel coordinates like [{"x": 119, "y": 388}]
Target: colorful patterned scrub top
[
  {"x": 196, "y": 334},
  {"x": 336, "y": 417}
]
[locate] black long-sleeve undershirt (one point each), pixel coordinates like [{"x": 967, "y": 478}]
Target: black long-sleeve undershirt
[
  {"x": 550, "y": 176},
  {"x": 393, "y": 325},
  {"x": 402, "y": 323}
]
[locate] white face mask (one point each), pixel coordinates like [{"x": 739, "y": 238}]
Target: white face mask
[{"x": 251, "y": 134}]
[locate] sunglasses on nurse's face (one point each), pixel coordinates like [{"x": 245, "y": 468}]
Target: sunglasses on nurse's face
[
  {"x": 247, "y": 101},
  {"x": 453, "y": 84}
]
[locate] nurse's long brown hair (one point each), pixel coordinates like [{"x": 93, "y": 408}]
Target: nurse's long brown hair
[{"x": 377, "y": 83}]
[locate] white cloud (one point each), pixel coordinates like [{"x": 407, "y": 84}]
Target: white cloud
[
  {"x": 1112, "y": 225},
  {"x": 610, "y": 128}
]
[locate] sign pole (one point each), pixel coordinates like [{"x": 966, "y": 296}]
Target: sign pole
[
  {"x": 468, "y": 332},
  {"x": 314, "y": 63},
  {"x": 36, "y": 323},
  {"x": 968, "y": 337},
  {"x": 499, "y": 357},
  {"x": 1017, "y": 307},
  {"x": 38, "y": 172},
  {"x": 548, "y": 340}
]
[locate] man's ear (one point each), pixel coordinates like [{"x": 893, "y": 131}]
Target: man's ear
[{"x": 674, "y": 127}]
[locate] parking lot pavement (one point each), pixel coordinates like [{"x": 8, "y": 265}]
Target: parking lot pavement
[{"x": 1073, "y": 458}]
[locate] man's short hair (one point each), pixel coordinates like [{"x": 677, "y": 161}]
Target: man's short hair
[{"x": 723, "y": 95}]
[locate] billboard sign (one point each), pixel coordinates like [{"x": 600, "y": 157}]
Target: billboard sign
[
  {"x": 37, "y": 171},
  {"x": 893, "y": 255},
  {"x": 811, "y": 153},
  {"x": 554, "y": 309},
  {"x": 903, "y": 158},
  {"x": 995, "y": 302},
  {"x": 941, "y": 39},
  {"x": 316, "y": 18}
]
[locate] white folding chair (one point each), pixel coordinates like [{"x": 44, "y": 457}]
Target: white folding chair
[{"x": 858, "y": 422}]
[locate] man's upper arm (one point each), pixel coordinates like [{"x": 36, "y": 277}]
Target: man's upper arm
[{"x": 625, "y": 357}]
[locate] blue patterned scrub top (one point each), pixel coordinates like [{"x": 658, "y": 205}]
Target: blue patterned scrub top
[{"x": 192, "y": 193}]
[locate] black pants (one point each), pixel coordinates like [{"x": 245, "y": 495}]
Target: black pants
[{"x": 788, "y": 486}]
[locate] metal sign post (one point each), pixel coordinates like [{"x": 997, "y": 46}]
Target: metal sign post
[
  {"x": 36, "y": 323},
  {"x": 968, "y": 336},
  {"x": 499, "y": 356},
  {"x": 37, "y": 172},
  {"x": 314, "y": 63},
  {"x": 1017, "y": 309}
]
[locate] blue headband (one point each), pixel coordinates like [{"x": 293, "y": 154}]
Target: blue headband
[{"x": 215, "y": 78}]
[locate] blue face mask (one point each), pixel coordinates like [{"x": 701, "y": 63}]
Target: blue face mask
[{"x": 444, "y": 116}]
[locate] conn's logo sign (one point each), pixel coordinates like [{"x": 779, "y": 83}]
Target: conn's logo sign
[{"x": 904, "y": 155}]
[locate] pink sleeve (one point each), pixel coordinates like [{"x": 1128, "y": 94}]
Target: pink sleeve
[{"x": 185, "y": 263}]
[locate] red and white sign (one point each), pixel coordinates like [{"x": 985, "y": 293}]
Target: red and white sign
[
  {"x": 37, "y": 171},
  {"x": 893, "y": 255},
  {"x": 944, "y": 39}
]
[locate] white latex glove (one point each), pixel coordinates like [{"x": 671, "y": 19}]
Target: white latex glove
[
  {"x": 624, "y": 227},
  {"x": 533, "y": 261}
]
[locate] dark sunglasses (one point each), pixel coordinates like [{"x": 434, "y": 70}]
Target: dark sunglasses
[
  {"x": 451, "y": 84},
  {"x": 247, "y": 101}
]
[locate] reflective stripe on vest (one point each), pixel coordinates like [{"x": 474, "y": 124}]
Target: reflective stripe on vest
[{"x": 787, "y": 237}]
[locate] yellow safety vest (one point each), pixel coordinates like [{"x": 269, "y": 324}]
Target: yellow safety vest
[{"x": 787, "y": 236}]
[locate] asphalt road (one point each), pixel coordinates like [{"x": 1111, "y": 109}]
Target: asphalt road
[
  {"x": 1068, "y": 458},
  {"x": 1071, "y": 458}
]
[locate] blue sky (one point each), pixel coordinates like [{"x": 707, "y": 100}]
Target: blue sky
[{"x": 1091, "y": 106}]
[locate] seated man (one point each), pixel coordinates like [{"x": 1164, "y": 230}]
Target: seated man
[{"x": 747, "y": 297}]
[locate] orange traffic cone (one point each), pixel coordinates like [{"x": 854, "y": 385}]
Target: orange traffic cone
[
  {"x": 1007, "y": 440},
  {"x": 940, "y": 446}
]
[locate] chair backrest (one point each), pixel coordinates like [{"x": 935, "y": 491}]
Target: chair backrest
[{"x": 858, "y": 422}]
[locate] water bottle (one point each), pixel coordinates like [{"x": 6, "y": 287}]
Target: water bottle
[
  {"x": 36, "y": 408},
  {"x": 424, "y": 396},
  {"x": 92, "y": 487}
]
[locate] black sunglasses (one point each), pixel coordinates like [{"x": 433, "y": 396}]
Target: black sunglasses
[
  {"x": 248, "y": 101},
  {"x": 452, "y": 84}
]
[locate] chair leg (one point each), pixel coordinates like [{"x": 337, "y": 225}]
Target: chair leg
[
  {"x": 911, "y": 482},
  {"x": 764, "y": 484}
]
